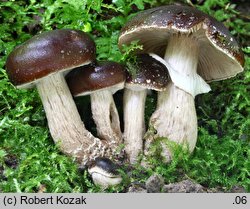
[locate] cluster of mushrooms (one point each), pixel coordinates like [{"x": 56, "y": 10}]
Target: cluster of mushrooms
[{"x": 183, "y": 50}]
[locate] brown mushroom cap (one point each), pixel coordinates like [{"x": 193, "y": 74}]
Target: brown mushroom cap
[
  {"x": 150, "y": 74},
  {"x": 220, "y": 56},
  {"x": 104, "y": 172},
  {"x": 104, "y": 166},
  {"x": 47, "y": 53},
  {"x": 90, "y": 78}
]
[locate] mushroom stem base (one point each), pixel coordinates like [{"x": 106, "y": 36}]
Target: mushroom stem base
[
  {"x": 134, "y": 124},
  {"x": 65, "y": 125},
  {"x": 175, "y": 118}
]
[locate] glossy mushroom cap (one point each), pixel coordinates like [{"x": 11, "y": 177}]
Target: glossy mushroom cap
[
  {"x": 102, "y": 75},
  {"x": 104, "y": 172},
  {"x": 150, "y": 74},
  {"x": 47, "y": 53},
  {"x": 105, "y": 166},
  {"x": 220, "y": 56}
]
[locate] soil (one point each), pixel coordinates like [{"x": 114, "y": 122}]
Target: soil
[{"x": 155, "y": 184}]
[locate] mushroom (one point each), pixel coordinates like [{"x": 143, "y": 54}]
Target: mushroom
[
  {"x": 42, "y": 61},
  {"x": 104, "y": 172},
  {"x": 100, "y": 81},
  {"x": 196, "y": 47},
  {"x": 150, "y": 74}
]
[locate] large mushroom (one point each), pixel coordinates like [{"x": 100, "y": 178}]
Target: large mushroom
[
  {"x": 100, "y": 80},
  {"x": 42, "y": 61},
  {"x": 196, "y": 47},
  {"x": 150, "y": 74}
]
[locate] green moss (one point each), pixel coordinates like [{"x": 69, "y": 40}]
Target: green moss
[{"x": 28, "y": 157}]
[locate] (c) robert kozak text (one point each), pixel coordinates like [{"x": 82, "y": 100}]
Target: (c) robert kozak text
[{"x": 51, "y": 200}]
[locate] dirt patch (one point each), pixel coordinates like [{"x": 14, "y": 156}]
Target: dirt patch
[{"x": 9, "y": 161}]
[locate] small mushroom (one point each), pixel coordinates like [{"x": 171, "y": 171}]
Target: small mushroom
[
  {"x": 104, "y": 172},
  {"x": 42, "y": 61},
  {"x": 197, "y": 48},
  {"x": 101, "y": 81},
  {"x": 150, "y": 74}
]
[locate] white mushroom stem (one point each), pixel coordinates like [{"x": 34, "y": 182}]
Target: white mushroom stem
[
  {"x": 106, "y": 116},
  {"x": 175, "y": 116},
  {"x": 64, "y": 121},
  {"x": 182, "y": 55},
  {"x": 134, "y": 124}
]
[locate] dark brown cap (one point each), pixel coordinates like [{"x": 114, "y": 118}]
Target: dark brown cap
[
  {"x": 47, "y": 53},
  {"x": 93, "y": 77},
  {"x": 104, "y": 166},
  {"x": 150, "y": 74},
  {"x": 220, "y": 56}
]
